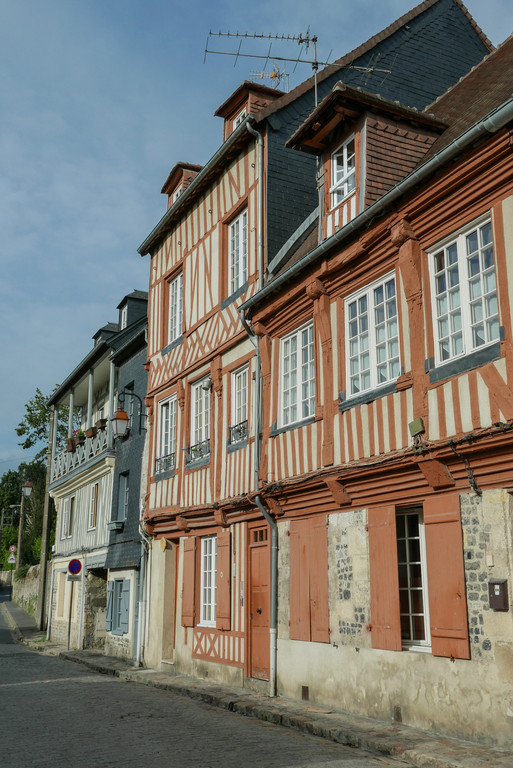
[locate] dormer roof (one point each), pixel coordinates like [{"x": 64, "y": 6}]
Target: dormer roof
[
  {"x": 178, "y": 172},
  {"x": 262, "y": 93},
  {"x": 345, "y": 103}
]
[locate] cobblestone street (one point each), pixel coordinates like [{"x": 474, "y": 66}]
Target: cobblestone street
[{"x": 55, "y": 713}]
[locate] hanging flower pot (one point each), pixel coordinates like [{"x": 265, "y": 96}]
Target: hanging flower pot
[
  {"x": 91, "y": 432},
  {"x": 71, "y": 445}
]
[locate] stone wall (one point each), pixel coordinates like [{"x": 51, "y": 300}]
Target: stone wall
[{"x": 95, "y": 609}]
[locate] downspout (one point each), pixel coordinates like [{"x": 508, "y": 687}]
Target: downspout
[
  {"x": 257, "y": 425},
  {"x": 141, "y": 627}
]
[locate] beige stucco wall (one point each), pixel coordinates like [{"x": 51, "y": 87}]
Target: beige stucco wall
[
  {"x": 471, "y": 699},
  {"x": 159, "y": 638}
]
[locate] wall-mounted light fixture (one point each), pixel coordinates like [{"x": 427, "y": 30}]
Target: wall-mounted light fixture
[{"x": 120, "y": 420}]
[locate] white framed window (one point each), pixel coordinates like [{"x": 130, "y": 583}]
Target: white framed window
[
  {"x": 464, "y": 291},
  {"x": 166, "y": 449},
  {"x": 208, "y": 581},
  {"x": 343, "y": 172},
  {"x": 297, "y": 380},
  {"x": 239, "y": 417},
  {"x": 178, "y": 191},
  {"x": 68, "y": 511},
  {"x": 123, "y": 318},
  {"x": 175, "y": 308},
  {"x": 93, "y": 506},
  {"x": 411, "y": 562},
  {"x": 200, "y": 422},
  {"x": 238, "y": 251},
  {"x": 372, "y": 337},
  {"x": 238, "y": 119}
]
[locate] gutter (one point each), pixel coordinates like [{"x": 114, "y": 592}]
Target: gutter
[
  {"x": 257, "y": 411},
  {"x": 490, "y": 124}
]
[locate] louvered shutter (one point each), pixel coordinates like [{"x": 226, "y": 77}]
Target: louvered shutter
[
  {"x": 318, "y": 580},
  {"x": 299, "y": 584},
  {"x": 110, "y": 596},
  {"x": 125, "y": 606}
]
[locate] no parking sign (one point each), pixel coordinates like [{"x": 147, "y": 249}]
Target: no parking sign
[{"x": 74, "y": 568}]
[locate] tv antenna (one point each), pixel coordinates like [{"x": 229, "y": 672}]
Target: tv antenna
[
  {"x": 276, "y": 76},
  {"x": 304, "y": 41}
]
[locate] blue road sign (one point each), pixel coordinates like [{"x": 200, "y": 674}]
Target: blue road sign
[{"x": 74, "y": 567}]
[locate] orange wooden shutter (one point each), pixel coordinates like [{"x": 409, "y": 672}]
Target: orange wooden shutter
[
  {"x": 299, "y": 587},
  {"x": 188, "y": 583},
  {"x": 318, "y": 579},
  {"x": 223, "y": 580},
  {"x": 384, "y": 580},
  {"x": 446, "y": 577}
]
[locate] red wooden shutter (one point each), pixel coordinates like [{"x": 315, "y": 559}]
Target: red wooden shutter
[
  {"x": 223, "y": 581},
  {"x": 384, "y": 580},
  {"x": 188, "y": 582},
  {"x": 446, "y": 577},
  {"x": 318, "y": 579},
  {"x": 299, "y": 587},
  {"x": 309, "y": 603}
]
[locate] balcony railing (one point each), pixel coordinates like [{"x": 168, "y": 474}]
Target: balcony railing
[
  {"x": 238, "y": 432},
  {"x": 66, "y": 461},
  {"x": 196, "y": 452},
  {"x": 165, "y": 463}
]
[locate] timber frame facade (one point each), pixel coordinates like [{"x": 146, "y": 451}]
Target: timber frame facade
[
  {"x": 229, "y": 468},
  {"x": 394, "y": 491}
]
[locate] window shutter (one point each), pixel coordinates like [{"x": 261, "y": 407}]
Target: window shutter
[
  {"x": 446, "y": 577},
  {"x": 223, "y": 581},
  {"x": 125, "y": 606},
  {"x": 110, "y": 595},
  {"x": 299, "y": 586},
  {"x": 318, "y": 579},
  {"x": 188, "y": 584},
  {"x": 384, "y": 579}
]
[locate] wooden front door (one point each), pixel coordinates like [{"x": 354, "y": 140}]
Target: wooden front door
[{"x": 259, "y": 601}]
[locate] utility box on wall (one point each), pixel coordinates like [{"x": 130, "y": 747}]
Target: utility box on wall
[{"x": 498, "y": 594}]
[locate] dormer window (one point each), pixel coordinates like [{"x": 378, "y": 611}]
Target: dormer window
[
  {"x": 343, "y": 174},
  {"x": 123, "y": 318},
  {"x": 178, "y": 191},
  {"x": 238, "y": 119}
]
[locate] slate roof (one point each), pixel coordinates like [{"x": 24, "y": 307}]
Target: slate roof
[
  {"x": 484, "y": 88},
  {"x": 436, "y": 30}
]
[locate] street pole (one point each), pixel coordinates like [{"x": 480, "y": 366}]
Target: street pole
[
  {"x": 45, "y": 534},
  {"x": 20, "y": 530}
]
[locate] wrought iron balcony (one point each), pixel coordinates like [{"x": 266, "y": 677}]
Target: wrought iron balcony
[
  {"x": 196, "y": 452},
  {"x": 238, "y": 432},
  {"x": 77, "y": 454},
  {"x": 165, "y": 463}
]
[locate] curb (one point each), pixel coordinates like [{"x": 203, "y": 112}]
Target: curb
[{"x": 408, "y": 745}]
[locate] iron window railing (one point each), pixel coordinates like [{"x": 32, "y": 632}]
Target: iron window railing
[
  {"x": 238, "y": 432},
  {"x": 198, "y": 451},
  {"x": 165, "y": 463}
]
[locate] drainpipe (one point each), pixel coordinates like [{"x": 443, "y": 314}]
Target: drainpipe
[
  {"x": 141, "y": 627},
  {"x": 257, "y": 421}
]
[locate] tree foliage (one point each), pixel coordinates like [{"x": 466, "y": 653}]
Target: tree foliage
[{"x": 34, "y": 428}]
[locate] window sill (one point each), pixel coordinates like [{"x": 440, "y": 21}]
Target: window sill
[
  {"x": 204, "y": 461},
  {"x": 417, "y": 648},
  {"x": 366, "y": 397},
  {"x": 463, "y": 364},
  {"x": 232, "y": 447},
  {"x": 235, "y": 295},
  {"x": 275, "y": 430},
  {"x": 172, "y": 345},
  {"x": 166, "y": 475},
  {"x": 116, "y": 525}
]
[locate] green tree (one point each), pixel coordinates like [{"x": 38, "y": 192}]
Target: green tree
[{"x": 34, "y": 428}]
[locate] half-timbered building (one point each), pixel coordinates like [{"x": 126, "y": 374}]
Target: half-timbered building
[
  {"x": 387, "y": 365},
  {"x": 228, "y": 226},
  {"x": 97, "y": 517}
]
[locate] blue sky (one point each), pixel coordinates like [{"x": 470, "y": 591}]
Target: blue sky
[{"x": 98, "y": 100}]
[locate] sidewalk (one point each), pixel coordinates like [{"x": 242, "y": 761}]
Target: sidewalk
[{"x": 414, "y": 747}]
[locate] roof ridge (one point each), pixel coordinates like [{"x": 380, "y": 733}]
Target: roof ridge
[{"x": 360, "y": 50}]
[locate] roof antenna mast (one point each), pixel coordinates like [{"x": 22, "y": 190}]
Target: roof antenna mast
[{"x": 302, "y": 40}]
